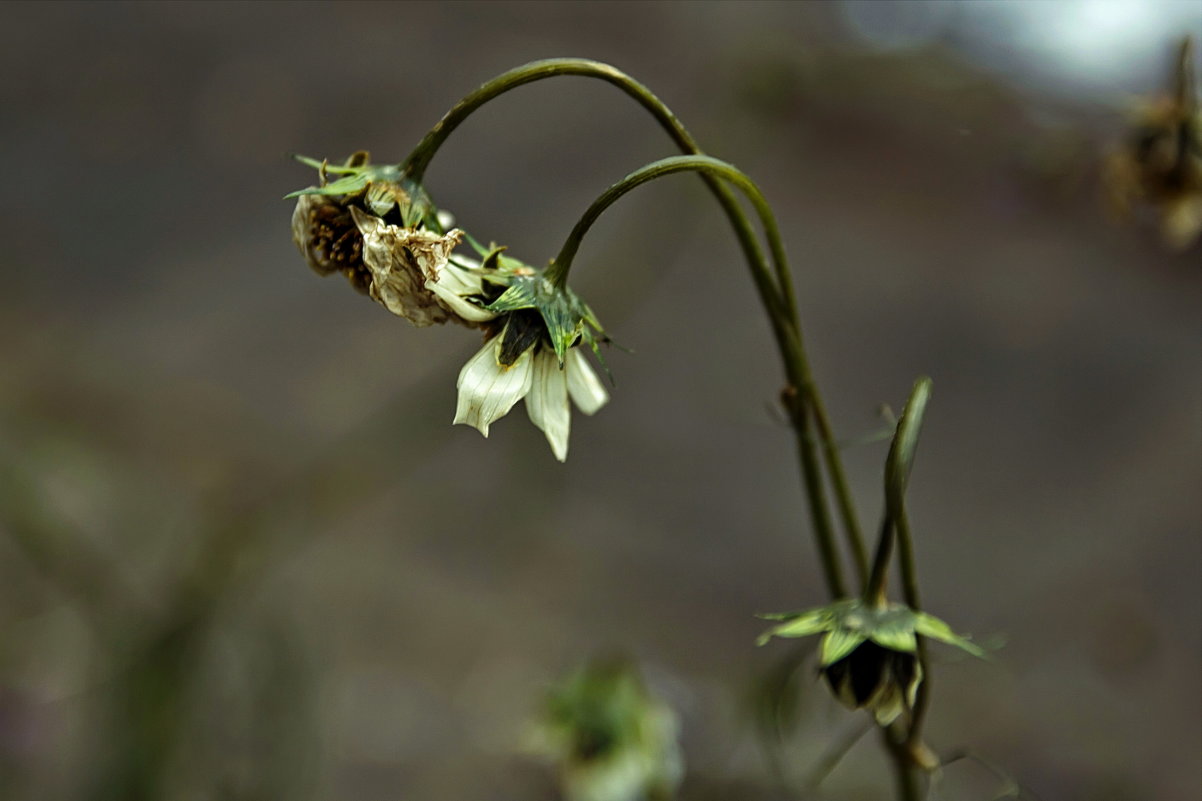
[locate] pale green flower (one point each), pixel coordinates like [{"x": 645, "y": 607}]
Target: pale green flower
[{"x": 868, "y": 652}]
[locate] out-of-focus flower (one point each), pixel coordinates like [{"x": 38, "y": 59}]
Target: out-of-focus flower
[
  {"x": 1160, "y": 163},
  {"x": 518, "y": 363},
  {"x": 609, "y": 737},
  {"x": 868, "y": 653}
]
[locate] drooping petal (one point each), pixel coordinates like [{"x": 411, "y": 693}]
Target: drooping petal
[
  {"x": 488, "y": 390},
  {"x": 453, "y": 286},
  {"x": 583, "y": 384},
  {"x": 547, "y": 402}
]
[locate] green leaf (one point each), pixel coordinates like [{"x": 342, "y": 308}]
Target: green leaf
[{"x": 936, "y": 629}]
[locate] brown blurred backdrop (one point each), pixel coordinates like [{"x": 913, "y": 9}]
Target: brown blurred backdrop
[{"x": 243, "y": 553}]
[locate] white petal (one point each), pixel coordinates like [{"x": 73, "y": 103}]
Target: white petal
[
  {"x": 547, "y": 403},
  {"x": 453, "y": 286},
  {"x": 583, "y": 383},
  {"x": 488, "y": 390}
]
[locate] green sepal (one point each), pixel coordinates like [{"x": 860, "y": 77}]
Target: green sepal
[
  {"x": 796, "y": 624},
  {"x": 838, "y": 643},
  {"x": 894, "y": 629},
  {"x": 934, "y": 628},
  {"x": 386, "y": 186}
]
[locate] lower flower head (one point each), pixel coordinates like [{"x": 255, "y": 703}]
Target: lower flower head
[{"x": 868, "y": 652}]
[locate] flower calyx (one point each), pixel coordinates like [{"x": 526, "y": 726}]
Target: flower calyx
[
  {"x": 567, "y": 318},
  {"x": 869, "y": 651}
]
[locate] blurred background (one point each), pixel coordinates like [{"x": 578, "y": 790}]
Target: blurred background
[{"x": 244, "y": 554}]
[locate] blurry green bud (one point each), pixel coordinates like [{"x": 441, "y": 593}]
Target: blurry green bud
[{"x": 610, "y": 739}]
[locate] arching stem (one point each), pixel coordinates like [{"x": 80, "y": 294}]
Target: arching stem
[
  {"x": 786, "y": 335},
  {"x": 777, "y": 296}
]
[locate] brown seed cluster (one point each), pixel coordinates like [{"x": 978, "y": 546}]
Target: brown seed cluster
[{"x": 326, "y": 236}]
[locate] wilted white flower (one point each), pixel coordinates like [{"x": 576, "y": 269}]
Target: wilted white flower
[
  {"x": 412, "y": 273},
  {"x": 489, "y": 388}
]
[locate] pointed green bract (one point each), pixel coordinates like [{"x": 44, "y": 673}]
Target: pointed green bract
[{"x": 386, "y": 186}]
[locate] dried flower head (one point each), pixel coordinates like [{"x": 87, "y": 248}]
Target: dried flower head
[{"x": 380, "y": 229}]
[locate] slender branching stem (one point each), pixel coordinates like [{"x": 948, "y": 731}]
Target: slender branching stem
[{"x": 778, "y": 297}]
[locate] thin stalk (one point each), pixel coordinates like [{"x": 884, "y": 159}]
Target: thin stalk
[
  {"x": 905, "y": 558},
  {"x": 775, "y": 297},
  {"x": 874, "y": 589},
  {"x": 905, "y": 777},
  {"x": 786, "y": 335}
]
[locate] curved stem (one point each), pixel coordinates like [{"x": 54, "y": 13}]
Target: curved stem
[
  {"x": 775, "y": 298},
  {"x": 786, "y": 334}
]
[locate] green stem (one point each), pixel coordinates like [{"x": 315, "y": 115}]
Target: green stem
[
  {"x": 905, "y": 775},
  {"x": 897, "y": 475},
  {"x": 874, "y": 589},
  {"x": 786, "y": 335},
  {"x": 774, "y": 298}
]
